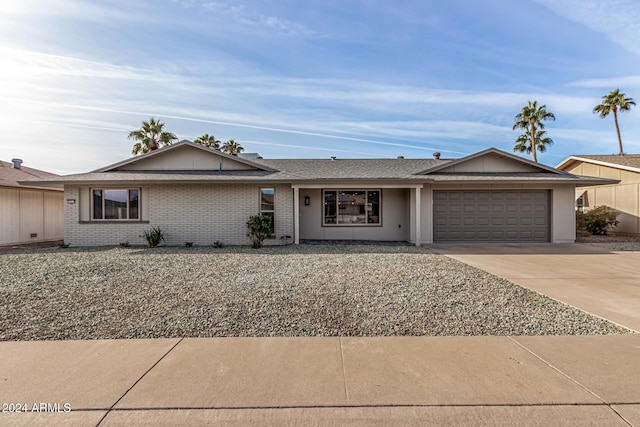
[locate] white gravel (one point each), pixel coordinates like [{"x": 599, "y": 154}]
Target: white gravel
[
  {"x": 618, "y": 246},
  {"x": 326, "y": 290}
]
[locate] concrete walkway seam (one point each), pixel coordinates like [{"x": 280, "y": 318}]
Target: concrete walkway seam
[
  {"x": 138, "y": 380},
  {"x": 344, "y": 370},
  {"x": 570, "y": 378}
]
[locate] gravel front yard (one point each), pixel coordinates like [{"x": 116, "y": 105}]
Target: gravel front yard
[{"x": 97, "y": 293}]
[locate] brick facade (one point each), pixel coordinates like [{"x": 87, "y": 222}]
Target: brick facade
[{"x": 200, "y": 213}]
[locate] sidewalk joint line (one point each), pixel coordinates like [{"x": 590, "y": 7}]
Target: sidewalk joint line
[
  {"x": 608, "y": 404},
  {"x": 344, "y": 371},
  {"x": 138, "y": 380},
  {"x": 373, "y": 405}
]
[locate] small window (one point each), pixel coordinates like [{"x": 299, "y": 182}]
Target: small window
[
  {"x": 116, "y": 204},
  {"x": 351, "y": 207},
  {"x": 267, "y": 205}
]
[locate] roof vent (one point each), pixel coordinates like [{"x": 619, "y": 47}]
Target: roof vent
[
  {"x": 436, "y": 155},
  {"x": 17, "y": 163},
  {"x": 400, "y": 157},
  {"x": 333, "y": 157}
]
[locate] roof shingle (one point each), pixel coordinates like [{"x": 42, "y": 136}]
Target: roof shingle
[{"x": 9, "y": 176}]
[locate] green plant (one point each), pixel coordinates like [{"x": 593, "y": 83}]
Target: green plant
[
  {"x": 188, "y": 244},
  {"x": 259, "y": 229},
  {"x": 153, "y": 236},
  {"x": 63, "y": 245},
  {"x": 124, "y": 244},
  {"x": 599, "y": 219},
  {"x": 218, "y": 244}
]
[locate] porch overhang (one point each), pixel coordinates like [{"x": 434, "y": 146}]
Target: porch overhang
[{"x": 345, "y": 184}]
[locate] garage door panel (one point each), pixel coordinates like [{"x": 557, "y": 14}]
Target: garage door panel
[
  {"x": 482, "y": 221},
  {"x": 539, "y": 221},
  {"x": 526, "y": 221},
  {"x": 455, "y": 222},
  {"x": 511, "y": 220},
  {"x": 482, "y": 235},
  {"x": 468, "y": 235},
  {"x": 491, "y": 215}
]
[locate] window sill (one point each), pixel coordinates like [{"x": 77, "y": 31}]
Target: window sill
[
  {"x": 352, "y": 225},
  {"x": 115, "y": 221}
]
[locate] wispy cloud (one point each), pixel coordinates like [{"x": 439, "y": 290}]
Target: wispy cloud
[
  {"x": 252, "y": 17},
  {"x": 21, "y": 63},
  {"x": 618, "y": 20},
  {"x": 610, "y": 82}
]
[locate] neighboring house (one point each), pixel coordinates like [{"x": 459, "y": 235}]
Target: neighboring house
[
  {"x": 29, "y": 213},
  {"x": 623, "y": 196},
  {"x": 196, "y": 194}
]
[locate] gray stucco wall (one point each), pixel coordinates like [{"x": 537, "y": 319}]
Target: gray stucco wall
[{"x": 200, "y": 214}]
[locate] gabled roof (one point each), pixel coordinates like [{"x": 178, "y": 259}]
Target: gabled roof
[
  {"x": 483, "y": 167},
  {"x": 495, "y": 151},
  {"x": 630, "y": 162},
  {"x": 164, "y": 150},
  {"x": 9, "y": 176}
]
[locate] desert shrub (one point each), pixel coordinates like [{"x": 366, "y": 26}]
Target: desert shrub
[
  {"x": 259, "y": 229},
  {"x": 218, "y": 244},
  {"x": 154, "y": 236},
  {"x": 188, "y": 244},
  {"x": 599, "y": 219}
]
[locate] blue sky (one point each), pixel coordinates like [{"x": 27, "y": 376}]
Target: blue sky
[{"x": 312, "y": 79}]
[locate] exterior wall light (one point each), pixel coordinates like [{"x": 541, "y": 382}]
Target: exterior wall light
[{"x": 307, "y": 200}]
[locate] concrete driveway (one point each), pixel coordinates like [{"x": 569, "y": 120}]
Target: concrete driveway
[{"x": 596, "y": 280}]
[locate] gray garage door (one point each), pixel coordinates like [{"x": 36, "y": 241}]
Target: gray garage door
[{"x": 491, "y": 216}]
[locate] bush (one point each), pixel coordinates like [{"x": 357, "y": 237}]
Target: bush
[
  {"x": 154, "y": 236},
  {"x": 218, "y": 244},
  {"x": 597, "y": 220},
  {"x": 188, "y": 244},
  {"x": 259, "y": 229}
]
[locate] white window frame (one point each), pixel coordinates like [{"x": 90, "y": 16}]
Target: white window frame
[{"x": 128, "y": 208}]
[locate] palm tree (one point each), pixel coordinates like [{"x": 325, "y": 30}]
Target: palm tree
[
  {"x": 208, "y": 141},
  {"x": 530, "y": 119},
  {"x": 150, "y": 136},
  {"x": 523, "y": 143},
  {"x": 232, "y": 147},
  {"x": 614, "y": 102}
]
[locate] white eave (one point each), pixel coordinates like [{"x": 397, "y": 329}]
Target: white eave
[{"x": 597, "y": 162}]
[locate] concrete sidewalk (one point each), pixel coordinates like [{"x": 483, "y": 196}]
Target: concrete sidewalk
[
  {"x": 569, "y": 380},
  {"x": 596, "y": 280}
]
